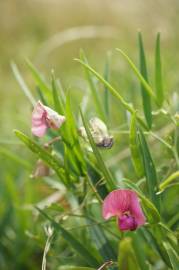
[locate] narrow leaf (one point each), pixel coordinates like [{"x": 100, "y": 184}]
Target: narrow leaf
[
  {"x": 113, "y": 91},
  {"x": 147, "y": 87},
  {"x": 22, "y": 84},
  {"x": 158, "y": 73},
  {"x": 169, "y": 180},
  {"x": 173, "y": 256},
  {"x": 150, "y": 171},
  {"x": 93, "y": 89},
  {"x": 145, "y": 95},
  {"x": 134, "y": 147}
]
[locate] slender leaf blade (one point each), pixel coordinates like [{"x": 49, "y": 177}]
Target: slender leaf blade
[
  {"x": 158, "y": 73},
  {"x": 145, "y": 95}
]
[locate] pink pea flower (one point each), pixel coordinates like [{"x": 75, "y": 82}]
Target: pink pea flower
[
  {"x": 43, "y": 118},
  {"x": 124, "y": 204}
]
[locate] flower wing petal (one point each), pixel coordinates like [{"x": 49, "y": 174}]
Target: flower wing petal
[{"x": 116, "y": 203}]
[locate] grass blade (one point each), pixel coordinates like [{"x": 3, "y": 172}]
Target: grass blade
[
  {"x": 106, "y": 91},
  {"x": 173, "y": 256},
  {"x": 75, "y": 244},
  {"x": 150, "y": 171},
  {"x": 58, "y": 104},
  {"x": 158, "y": 73},
  {"x": 22, "y": 84},
  {"x": 113, "y": 91},
  {"x": 145, "y": 95},
  {"x": 134, "y": 148},
  {"x": 93, "y": 88},
  {"x": 147, "y": 87},
  {"x": 39, "y": 81},
  {"x": 169, "y": 180}
]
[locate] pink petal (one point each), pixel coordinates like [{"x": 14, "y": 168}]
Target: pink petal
[
  {"x": 39, "y": 125},
  {"x": 39, "y": 131},
  {"x": 136, "y": 210},
  {"x": 124, "y": 202},
  {"x": 116, "y": 203}
]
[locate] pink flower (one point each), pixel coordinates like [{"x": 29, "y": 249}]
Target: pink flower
[
  {"x": 124, "y": 204},
  {"x": 43, "y": 118}
]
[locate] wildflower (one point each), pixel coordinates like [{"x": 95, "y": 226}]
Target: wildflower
[
  {"x": 99, "y": 133},
  {"x": 43, "y": 118},
  {"x": 124, "y": 204}
]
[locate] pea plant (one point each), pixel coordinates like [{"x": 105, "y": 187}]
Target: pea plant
[{"x": 111, "y": 165}]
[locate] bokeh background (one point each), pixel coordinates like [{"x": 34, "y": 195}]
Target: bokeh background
[{"x": 51, "y": 33}]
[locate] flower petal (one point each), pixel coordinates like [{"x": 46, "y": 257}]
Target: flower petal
[
  {"x": 136, "y": 210},
  {"x": 121, "y": 202},
  {"x": 116, "y": 203},
  {"x": 39, "y": 125}
]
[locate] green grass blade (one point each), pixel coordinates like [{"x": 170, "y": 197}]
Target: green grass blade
[
  {"x": 22, "y": 84},
  {"x": 127, "y": 258},
  {"x": 40, "y": 81},
  {"x": 75, "y": 244},
  {"x": 150, "y": 170},
  {"x": 168, "y": 181},
  {"x": 145, "y": 95},
  {"x": 173, "y": 256},
  {"x": 134, "y": 148},
  {"x": 141, "y": 256},
  {"x": 106, "y": 91},
  {"x": 147, "y": 87},
  {"x": 58, "y": 104},
  {"x": 93, "y": 89},
  {"x": 158, "y": 73},
  {"x": 42, "y": 153},
  {"x": 104, "y": 169},
  {"x": 113, "y": 91}
]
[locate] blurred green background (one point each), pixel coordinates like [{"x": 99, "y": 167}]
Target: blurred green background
[{"x": 51, "y": 33}]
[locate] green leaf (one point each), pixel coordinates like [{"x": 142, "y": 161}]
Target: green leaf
[
  {"x": 22, "y": 84},
  {"x": 134, "y": 147},
  {"x": 71, "y": 138},
  {"x": 43, "y": 154},
  {"x": 101, "y": 242},
  {"x": 168, "y": 181},
  {"x": 93, "y": 89},
  {"x": 75, "y": 244},
  {"x": 145, "y": 95},
  {"x": 58, "y": 103},
  {"x": 104, "y": 169},
  {"x": 113, "y": 91},
  {"x": 145, "y": 84},
  {"x": 127, "y": 258},
  {"x": 141, "y": 256},
  {"x": 106, "y": 91},
  {"x": 150, "y": 171},
  {"x": 173, "y": 256},
  {"x": 40, "y": 81},
  {"x": 158, "y": 73}
]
